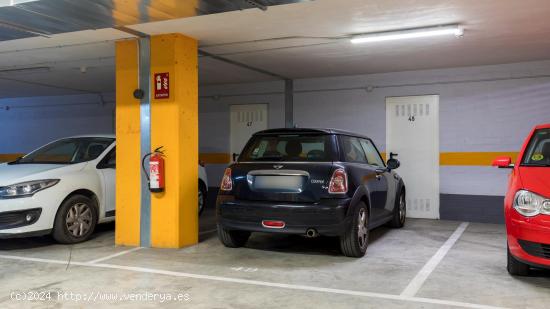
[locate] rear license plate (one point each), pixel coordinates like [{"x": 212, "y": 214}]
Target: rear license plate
[{"x": 282, "y": 184}]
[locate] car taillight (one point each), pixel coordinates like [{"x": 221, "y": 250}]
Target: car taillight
[
  {"x": 338, "y": 182},
  {"x": 273, "y": 224},
  {"x": 227, "y": 182}
]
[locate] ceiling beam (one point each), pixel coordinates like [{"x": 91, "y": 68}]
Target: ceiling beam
[
  {"x": 131, "y": 31},
  {"x": 48, "y": 85},
  {"x": 242, "y": 65}
]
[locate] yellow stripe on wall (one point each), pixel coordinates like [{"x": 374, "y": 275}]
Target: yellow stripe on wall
[
  {"x": 445, "y": 158},
  {"x": 473, "y": 158},
  {"x": 215, "y": 158},
  {"x": 469, "y": 158},
  {"x": 9, "y": 157}
]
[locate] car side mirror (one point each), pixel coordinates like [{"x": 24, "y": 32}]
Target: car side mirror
[
  {"x": 503, "y": 162},
  {"x": 393, "y": 164}
]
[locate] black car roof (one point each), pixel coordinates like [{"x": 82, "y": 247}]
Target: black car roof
[{"x": 308, "y": 130}]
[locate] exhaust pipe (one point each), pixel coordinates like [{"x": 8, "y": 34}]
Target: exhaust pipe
[{"x": 311, "y": 233}]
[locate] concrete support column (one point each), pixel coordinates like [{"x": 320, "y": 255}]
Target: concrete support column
[{"x": 172, "y": 219}]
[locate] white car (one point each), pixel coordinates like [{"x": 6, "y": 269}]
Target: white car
[{"x": 64, "y": 188}]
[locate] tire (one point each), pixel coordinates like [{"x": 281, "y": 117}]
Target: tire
[
  {"x": 515, "y": 267},
  {"x": 355, "y": 241},
  {"x": 75, "y": 220},
  {"x": 399, "y": 211},
  {"x": 202, "y": 198},
  {"x": 233, "y": 239}
]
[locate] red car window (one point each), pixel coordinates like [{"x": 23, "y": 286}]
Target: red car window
[{"x": 538, "y": 151}]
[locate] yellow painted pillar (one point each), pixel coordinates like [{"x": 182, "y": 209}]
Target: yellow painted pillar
[
  {"x": 174, "y": 125},
  {"x": 128, "y": 145}
]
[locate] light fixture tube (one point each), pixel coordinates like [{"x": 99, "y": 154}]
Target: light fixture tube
[{"x": 455, "y": 30}]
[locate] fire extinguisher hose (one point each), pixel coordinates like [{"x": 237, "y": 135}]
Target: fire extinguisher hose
[{"x": 143, "y": 165}]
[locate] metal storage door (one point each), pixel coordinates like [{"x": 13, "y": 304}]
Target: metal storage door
[
  {"x": 246, "y": 119},
  {"x": 412, "y": 131}
]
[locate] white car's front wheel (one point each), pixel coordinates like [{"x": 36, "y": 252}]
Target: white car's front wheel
[{"x": 75, "y": 220}]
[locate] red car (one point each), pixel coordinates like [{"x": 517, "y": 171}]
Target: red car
[{"x": 527, "y": 204}]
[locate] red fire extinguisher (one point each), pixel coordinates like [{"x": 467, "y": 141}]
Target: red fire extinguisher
[{"x": 156, "y": 170}]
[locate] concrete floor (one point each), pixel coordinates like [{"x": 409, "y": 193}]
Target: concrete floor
[{"x": 275, "y": 271}]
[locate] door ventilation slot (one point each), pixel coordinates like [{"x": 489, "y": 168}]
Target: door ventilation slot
[
  {"x": 250, "y": 116},
  {"x": 422, "y": 205}
]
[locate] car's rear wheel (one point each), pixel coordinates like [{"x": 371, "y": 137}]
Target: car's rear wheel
[
  {"x": 399, "y": 211},
  {"x": 75, "y": 220},
  {"x": 233, "y": 239},
  {"x": 202, "y": 198},
  {"x": 355, "y": 241},
  {"x": 515, "y": 267}
]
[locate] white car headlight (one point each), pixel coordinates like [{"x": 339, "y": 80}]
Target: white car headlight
[
  {"x": 26, "y": 189},
  {"x": 531, "y": 204}
]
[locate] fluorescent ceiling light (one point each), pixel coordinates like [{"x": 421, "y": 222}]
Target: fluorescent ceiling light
[
  {"x": 13, "y": 2},
  {"x": 455, "y": 30}
]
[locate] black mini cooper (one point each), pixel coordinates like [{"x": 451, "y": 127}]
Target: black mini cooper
[{"x": 310, "y": 182}]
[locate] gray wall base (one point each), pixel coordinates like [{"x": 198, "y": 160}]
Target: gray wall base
[{"x": 472, "y": 208}]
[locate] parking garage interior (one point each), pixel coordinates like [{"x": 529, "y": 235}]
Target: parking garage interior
[{"x": 73, "y": 68}]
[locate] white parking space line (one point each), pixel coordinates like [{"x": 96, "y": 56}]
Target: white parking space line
[
  {"x": 132, "y": 250},
  {"x": 114, "y": 255},
  {"x": 245, "y": 269},
  {"x": 259, "y": 283},
  {"x": 417, "y": 282}
]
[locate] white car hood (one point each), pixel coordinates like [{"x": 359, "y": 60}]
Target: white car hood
[{"x": 16, "y": 173}]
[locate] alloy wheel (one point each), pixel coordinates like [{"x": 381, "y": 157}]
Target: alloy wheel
[
  {"x": 201, "y": 200},
  {"x": 362, "y": 230},
  {"x": 79, "y": 220},
  {"x": 402, "y": 209}
]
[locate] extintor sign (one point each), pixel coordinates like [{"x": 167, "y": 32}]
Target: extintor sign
[{"x": 162, "y": 86}]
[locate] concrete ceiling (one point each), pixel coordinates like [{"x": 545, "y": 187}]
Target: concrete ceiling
[{"x": 297, "y": 41}]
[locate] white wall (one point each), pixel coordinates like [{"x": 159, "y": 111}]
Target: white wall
[
  {"x": 27, "y": 123},
  {"x": 487, "y": 108},
  {"x": 214, "y": 116}
]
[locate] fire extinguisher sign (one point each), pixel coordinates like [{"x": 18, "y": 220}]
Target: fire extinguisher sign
[{"x": 162, "y": 86}]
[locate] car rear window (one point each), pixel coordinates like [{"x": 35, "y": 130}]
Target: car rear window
[
  {"x": 538, "y": 150},
  {"x": 295, "y": 148}
]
